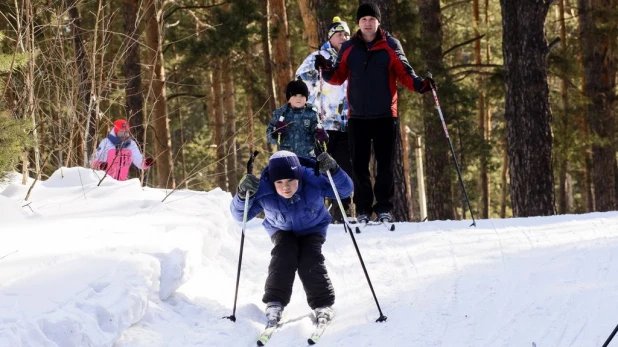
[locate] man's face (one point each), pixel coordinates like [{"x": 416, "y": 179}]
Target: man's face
[
  {"x": 368, "y": 25},
  {"x": 298, "y": 101},
  {"x": 286, "y": 187},
  {"x": 338, "y": 39}
]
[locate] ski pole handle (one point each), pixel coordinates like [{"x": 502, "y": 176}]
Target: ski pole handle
[
  {"x": 279, "y": 133},
  {"x": 250, "y": 162}
]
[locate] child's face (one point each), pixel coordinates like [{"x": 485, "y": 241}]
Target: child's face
[
  {"x": 286, "y": 187},
  {"x": 298, "y": 101},
  {"x": 338, "y": 39},
  {"x": 123, "y": 135}
]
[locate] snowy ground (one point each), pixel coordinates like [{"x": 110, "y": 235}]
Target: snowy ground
[{"x": 83, "y": 265}]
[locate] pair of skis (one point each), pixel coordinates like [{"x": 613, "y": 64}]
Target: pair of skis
[
  {"x": 271, "y": 327},
  {"x": 388, "y": 225}
]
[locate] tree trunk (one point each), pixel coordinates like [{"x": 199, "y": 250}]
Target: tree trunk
[
  {"x": 563, "y": 129},
  {"x": 219, "y": 127},
  {"x": 249, "y": 106},
  {"x": 528, "y": 114},
  {"x": 29, "y": 81},
  {"x": 233, "y": 170},
  {"x": 439, "y": 169},
  {"x": 308, "y": 12},
  {"x": 598, "y": 37},
  {"x": 504, "y": 184},
  {"x": 209, "y": 114},
  {"x": 162, "y": 138},
  {"x": 281, "y": 48},
  {"x": 132, "y": 71},
  {"x": 267, "y": 52},
  {"x": 83, "y": 82},
  {"x": 401, "y": 180},
  {"x": 480, "y": 103},
  {"x": 326, "y": 10},
  {"x": 405, "y": 141}
]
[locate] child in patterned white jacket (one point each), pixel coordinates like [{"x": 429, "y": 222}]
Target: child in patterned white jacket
[{"x": 332, "y": 103}]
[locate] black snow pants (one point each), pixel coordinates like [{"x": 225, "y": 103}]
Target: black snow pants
[
  {"x": 303, "y": 253},
  {"x": 362, "y": 132}
]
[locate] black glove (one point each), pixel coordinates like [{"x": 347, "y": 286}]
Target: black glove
[
  {"x": 327, "y": 163},
  {"x": 148, "y": 163},
  {"x": 281, "y": 128},
  {"x": 321, "y": 136},
  {"x": 249, "y": 183},
  {"x": 428, "y": 83},
  {"x": 322, "y": 63}
]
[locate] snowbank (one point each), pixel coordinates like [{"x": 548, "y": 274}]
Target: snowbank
[{"x": 89, "y": 261}]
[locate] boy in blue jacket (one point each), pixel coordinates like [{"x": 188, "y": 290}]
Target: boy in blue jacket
[{"x": 291, "y": 194}]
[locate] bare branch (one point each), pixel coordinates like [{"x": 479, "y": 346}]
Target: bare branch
[
  {"x": 166, "y": 16},
  {"x": 462, "y": 66},
  {"x": 173, "y": 96},
  {"x": 462, "y": 44}
]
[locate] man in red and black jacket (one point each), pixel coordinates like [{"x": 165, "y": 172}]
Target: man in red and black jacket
[{"x": 372, "y": 62}]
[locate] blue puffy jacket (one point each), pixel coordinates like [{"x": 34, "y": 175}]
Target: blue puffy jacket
[{"x": 304, "y": 213}]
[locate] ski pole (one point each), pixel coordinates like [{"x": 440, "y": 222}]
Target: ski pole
[
  {"x": 463, "y": 187},
  {"x": 279, "y": 133},
  {"x": 145, "y": 183},
  {"x": 242, "y": 238},
  {"x": 321, "y": 109},
  {"x": 382, "y": 317},
  {"x": 611, "y": 336}
]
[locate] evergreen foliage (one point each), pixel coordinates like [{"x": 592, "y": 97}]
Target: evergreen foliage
[{"x": 13, "y": 132}]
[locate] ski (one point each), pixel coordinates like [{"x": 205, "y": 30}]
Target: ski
[
  {"x": 267, "y": 333},
  {"x": 389, "y": 226},
  {"x": 319, "y": 330}
]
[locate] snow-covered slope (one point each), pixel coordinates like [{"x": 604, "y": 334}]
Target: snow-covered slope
[{"x": 83, "y": 265}]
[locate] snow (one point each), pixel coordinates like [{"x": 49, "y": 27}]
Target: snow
[{"x": 112, "y": 265}]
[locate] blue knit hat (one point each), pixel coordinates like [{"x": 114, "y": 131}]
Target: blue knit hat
[{"x": 284, "y": 165}]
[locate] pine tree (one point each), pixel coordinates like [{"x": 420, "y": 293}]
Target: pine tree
[{"x": 13, "y": 132}]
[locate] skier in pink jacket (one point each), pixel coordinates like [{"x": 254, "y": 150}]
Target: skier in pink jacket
[{"x": 118, "y": 151}]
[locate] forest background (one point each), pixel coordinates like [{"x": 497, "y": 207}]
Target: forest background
[{"x": 527, "y": 89}]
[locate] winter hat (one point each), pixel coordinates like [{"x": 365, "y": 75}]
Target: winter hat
[
  {"x": 296, "y": 87},
  {"x": 284, "y": 165},
  {"x": 336, "y": 26},
  {"x": 368, "y": 9},
  {"x": 120, "y": 124}
]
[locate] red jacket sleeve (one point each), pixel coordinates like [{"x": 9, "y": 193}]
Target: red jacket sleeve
[{"x": 404, "y": 72}]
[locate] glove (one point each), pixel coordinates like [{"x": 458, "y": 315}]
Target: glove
[
  {"x": 281, "y": 128},
  {"x": 99, "y": 165},
  {"x": 322, "y": 63},
  {"x": 249, "y": 183},
  {"x": 147, "y": 163},
  {"x": 321, "y": 136},
  {"x": 327, "y": 163},
  {"x": 428, "y": 83}
]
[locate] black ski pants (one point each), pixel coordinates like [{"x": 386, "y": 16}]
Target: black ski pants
[
  {"x": 339, "y": 148},
  {"x": 362, "y": 132},
  {"x": 301, "y": 253}
]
